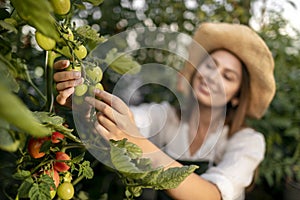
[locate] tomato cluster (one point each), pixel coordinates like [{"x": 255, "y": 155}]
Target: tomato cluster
[{"x": 60, "y": 167}]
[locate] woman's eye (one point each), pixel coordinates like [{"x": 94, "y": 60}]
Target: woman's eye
[
  {"x": 210, "y": 66},
  {"x": 228, "y": 77}
]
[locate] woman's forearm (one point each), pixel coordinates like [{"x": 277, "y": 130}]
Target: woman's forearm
[{"x": 193, "y": 187}]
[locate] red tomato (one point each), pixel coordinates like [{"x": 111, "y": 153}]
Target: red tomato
[
  {"x": 57, "y": 137},
  {"x": 54, "y": 175},
  {"x": 34, "y": 146},
  {"x": 60, "y": 165}
]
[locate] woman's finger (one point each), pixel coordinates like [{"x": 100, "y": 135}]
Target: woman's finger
[
  {"x": 61, "y": 64},
  {"x": 112, "y": 100},
  {"x": 103, "y": 108},
  {"x": 66, "y": 76},
  {"x": 64, "y": 95},
  {"x": 67, "y": 84},
  {"x": 102, "y": 131}
]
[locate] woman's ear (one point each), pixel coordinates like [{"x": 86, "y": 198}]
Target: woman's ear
[{"x": 234, "y": 102}]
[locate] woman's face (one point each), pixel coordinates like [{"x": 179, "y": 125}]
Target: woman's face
[{"x": 218, "y": 79}]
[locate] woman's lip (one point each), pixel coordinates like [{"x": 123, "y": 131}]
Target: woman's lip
[{"x": 204, "y": 89}]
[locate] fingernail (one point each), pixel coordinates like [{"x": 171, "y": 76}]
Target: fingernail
[
  {"x": 77, "y": 74},
  {"x": 97, "y": 91},
  {"x": 66, "y": 62}
]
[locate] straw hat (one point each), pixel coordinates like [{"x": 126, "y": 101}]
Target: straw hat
[{"x": 251, "y": 49}]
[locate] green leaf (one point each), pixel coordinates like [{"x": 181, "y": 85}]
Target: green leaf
[
  {"x": 8, "y": 26},
  {"x": 39, "y": 191},
  {"x": 46, "y": 179},
  {"x": 54, "y": 122},
  {"x": 25, "y": 188},
  {"x": 7, "y": 141},
  {"x": 132, "y": 149},
  {"x": 8, "y": 74},
  {"x": 15, "y": 112},
  {"x": 121, "y": 63},
  {"x": 121, "y": 161},
  {"x": 78, "y": 159},
  {"x": 95, "y": 2},
  {"x": 39, "y": 15},
  {"x": 86, "y": 170},
  {"x": 88, "y": 33},
  {"x": 172, "y": 177},
  {"x": 22, "y": 174}
]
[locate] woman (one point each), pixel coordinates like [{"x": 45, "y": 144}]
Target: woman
[{"x": 238, "y": 84}]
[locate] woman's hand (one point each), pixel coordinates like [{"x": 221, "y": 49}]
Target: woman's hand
[
  {"x": 65, "y": 82},
  {"x": 114, "y": 118}
]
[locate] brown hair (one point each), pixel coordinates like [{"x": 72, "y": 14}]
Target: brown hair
[{"x": 236, "y": 115}]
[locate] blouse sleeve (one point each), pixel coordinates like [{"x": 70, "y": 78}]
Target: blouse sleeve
[
  {"x": 244, "y": 151},
  {"x": 151, "y": 118}
]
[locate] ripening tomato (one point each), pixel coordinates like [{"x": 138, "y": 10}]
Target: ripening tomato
[
  {"x": 44, "y": 42},
  {"x": 65, "y": 190},
  {"x": 61, "y": 7},
  {"x": 56, "y": 137},
  {"x": 34, "y": 146},
  {"x": 54, "y": 175},
  {"x": 60, "y": 165}
]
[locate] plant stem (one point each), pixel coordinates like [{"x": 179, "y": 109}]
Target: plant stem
[{"x": 50, "y": 57}]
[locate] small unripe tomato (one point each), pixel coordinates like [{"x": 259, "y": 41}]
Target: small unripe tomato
[
  {"x": 80, "y": 90},
  {"x": 92, "y": 88},
  {"x": 44, "y": 42},
  {"x": 80, "y": 52},
  {"x": 65, "y": 190},
  {"x": 94, "y": 74},
  {"x": 61, "y": 7}
]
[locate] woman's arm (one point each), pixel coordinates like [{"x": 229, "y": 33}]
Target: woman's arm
[{"x": 115, "y": 121}]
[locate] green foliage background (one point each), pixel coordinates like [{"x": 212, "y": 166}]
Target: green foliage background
[{"x": 281, "y": 123}]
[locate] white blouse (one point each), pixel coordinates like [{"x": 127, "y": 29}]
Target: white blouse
[{"x": 236, "y": 158}]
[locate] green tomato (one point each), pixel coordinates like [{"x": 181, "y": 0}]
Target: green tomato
[
  {"x": 44, "y": 42},
  {"x": 80, "y": 90},
  {"x": 61, "y": 7},
  {"x": 65, "y": 190},
  {"x": 94, "y": 74},
  {"x": 76, "y": 68},
  {"x": 80, "y": 52},
  {"x": 93, "y": 87}
]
